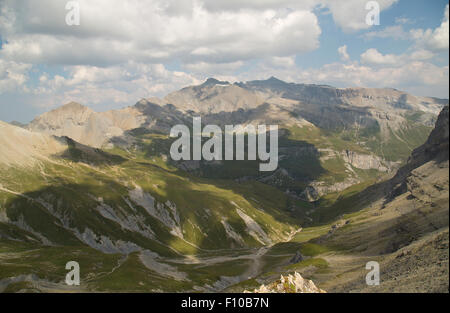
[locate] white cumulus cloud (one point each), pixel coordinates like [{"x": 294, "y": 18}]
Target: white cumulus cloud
[
  {"x": 113, "y": 32},
  {"x": 373, "y": 56},
  {"x": 434, "y": 39}
]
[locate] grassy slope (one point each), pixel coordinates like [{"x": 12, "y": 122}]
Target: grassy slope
[
  {"x": 66, "y": 185},
  {"x": 72, "y": 189}
]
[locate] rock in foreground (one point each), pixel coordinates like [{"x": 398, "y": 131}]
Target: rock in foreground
[{"x": 289, "y": 284}]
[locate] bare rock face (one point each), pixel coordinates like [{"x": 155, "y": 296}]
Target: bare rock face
[
  {"x": 324, "y": 106},
  {"x": 332, "y": 108},
  {"x": 316, "y": 189},
  {"x": 436, "y": 150},
  {"x": 310, "y": 194},
  {"x": 83, "y": 125},
  {"x": 289, "y": 284},
  {"x": 214, "y": 97},
  {"x": 364, "y": 161},
  {"x": 257, "y": 102}
]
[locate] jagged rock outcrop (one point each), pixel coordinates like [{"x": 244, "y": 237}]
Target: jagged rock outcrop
[
  {"x": 289, "y": 284},
  {"x": 436, "y": 149}
]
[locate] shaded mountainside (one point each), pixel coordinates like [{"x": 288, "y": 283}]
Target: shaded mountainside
[
  {"x": 435, "y": 149},
  {"x": 404, "y": 229},
  {"x": 402, "y": 224}
]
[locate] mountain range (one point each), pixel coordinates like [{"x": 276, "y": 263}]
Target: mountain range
[
  {"x": 340, "y": 133},
  {"x": 363, "y": 175}
]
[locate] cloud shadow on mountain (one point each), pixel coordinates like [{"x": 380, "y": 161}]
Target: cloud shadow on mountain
[{"x": 79, "y": 153}]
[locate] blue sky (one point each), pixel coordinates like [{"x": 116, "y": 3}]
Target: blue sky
[{"x": 124, "y": 51}]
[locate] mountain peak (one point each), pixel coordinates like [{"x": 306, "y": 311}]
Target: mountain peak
[
  {"x": 71, "y": 108},
  {"x": 274, "y": 79},
  {"x": 212, "y": 81},
  {"x": 73, "y": 105}
]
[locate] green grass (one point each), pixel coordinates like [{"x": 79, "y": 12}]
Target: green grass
[
  {"x": 49, "y": 262},
  {"x": 133, "y": 276},
  {"x": 73, "y": 188},
  {"x": 316, "y": 262},
  {"x": 349, "y": 200},
  {"x": 248, "y": 285},
  {"x": 399, "y": 144},
  {"x": 311, "y": 249},
  {"x": 323, "y": 139},
  {"x": 23, "y": 286},
  {"x": 209, "y": 274}
]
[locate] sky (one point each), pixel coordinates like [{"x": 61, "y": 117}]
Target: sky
[{"x": 123, "y": 51}]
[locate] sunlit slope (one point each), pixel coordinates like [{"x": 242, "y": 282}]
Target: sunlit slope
[{"x": 116, "y": 204}]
